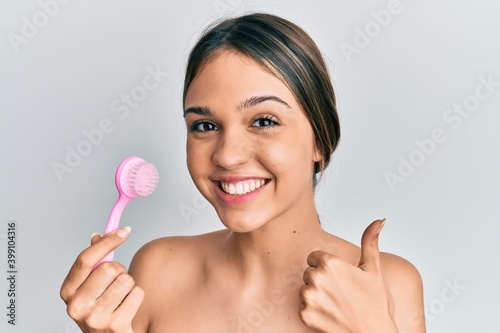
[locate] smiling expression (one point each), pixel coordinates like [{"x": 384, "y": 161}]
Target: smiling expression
[{"x": 250, "y": 147}]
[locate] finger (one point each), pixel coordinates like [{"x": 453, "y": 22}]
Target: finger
[
  {"x": 130, "y": 305},
  {"x": 370, "y": 255},
  {"x": 304, "y": 294},
  {"x": 114, "y": 294},
  {"x": 307, "y": 274},
  {"x": 83, "y": 301},
  {"x": 89, "y": 257},
  {"x": 315, "y": 257},
  {"x": 98, "y": 282}
]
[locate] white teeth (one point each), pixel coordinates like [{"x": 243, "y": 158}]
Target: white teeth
[
  {"x": 239, "y": 188},
  {"x": 243, "y": 187}
]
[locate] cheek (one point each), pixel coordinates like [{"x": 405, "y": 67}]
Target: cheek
[
  {"x": 194, "y": 158},
  {"x": 290, "y": 156}
]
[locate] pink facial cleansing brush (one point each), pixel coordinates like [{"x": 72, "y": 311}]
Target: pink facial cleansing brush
[{"x": 134, "y": 177}]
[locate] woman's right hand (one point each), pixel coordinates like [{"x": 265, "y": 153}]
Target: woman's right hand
[{"x": 104, "y": 299}]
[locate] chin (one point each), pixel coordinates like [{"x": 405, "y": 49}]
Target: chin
[{"x": 241, "y": 224}]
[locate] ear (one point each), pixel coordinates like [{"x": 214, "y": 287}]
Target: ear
[{"x": 317, "y": 156}]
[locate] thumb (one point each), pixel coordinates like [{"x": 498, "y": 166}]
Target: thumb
[{"x": 370, "y": 255}]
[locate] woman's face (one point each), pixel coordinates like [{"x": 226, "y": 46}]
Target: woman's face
[{"x": 250, "y": 148}]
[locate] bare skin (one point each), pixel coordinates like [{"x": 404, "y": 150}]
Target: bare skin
[
  {"x": 223, "y": 299},
  {"x": 274, "y": 269}
]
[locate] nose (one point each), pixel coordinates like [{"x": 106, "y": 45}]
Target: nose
[{"x": 233, "y": 149}]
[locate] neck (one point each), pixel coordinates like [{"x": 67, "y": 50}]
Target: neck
[{"x": 279, "y": 245}]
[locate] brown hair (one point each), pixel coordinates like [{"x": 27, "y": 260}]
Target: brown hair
[{"x": 290, "y": 54}]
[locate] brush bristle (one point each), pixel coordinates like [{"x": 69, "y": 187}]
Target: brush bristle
[{"x": 139, "y": 178}]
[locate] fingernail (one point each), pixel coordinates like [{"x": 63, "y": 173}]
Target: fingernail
[
  {"x": 123, "y": 232},
  {"x": 381, "y": 225},
  {"x": 94, "y": 234}
]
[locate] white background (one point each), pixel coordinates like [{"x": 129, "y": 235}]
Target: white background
[{"x": 391, "y": 92}]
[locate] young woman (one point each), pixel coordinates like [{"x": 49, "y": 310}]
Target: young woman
[{"x": 261, "y": 125}]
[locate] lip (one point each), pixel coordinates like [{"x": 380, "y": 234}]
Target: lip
[
  {"x": 241, "y": 198},
  {"x": 235, "y": 179}
]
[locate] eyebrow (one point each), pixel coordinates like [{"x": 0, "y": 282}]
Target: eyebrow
[
  {"x": 203, "y": 111},
  {"x": 248, "y": 103},
  {"x": 252, "y": 101}
]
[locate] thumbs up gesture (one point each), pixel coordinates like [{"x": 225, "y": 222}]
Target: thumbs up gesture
[{"x": 340, "y": 297}]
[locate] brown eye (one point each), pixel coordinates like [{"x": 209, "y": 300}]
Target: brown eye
[
  {"x": 264, "y": 122},
  {"x": 203, "y": 126}
]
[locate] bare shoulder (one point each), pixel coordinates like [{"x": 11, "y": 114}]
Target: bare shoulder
[
  {"x": 405, "y": 285},
  {"x": 399, "y": 271},
  {"x": 166, "y": 266},
  {"x": 177, "y": 253},
  {"x": 402, "y": 279}
]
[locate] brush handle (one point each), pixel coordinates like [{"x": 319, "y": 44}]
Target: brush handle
[{"x": 114, "y": 221}]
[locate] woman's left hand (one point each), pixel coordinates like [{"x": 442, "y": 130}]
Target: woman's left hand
[{"x": 340, "y": 297}]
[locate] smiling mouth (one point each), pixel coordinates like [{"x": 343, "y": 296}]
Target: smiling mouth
[{"x": 242, "y": 187}]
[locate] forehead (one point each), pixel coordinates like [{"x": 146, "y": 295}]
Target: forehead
[{"x": 231, "y": 77}]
